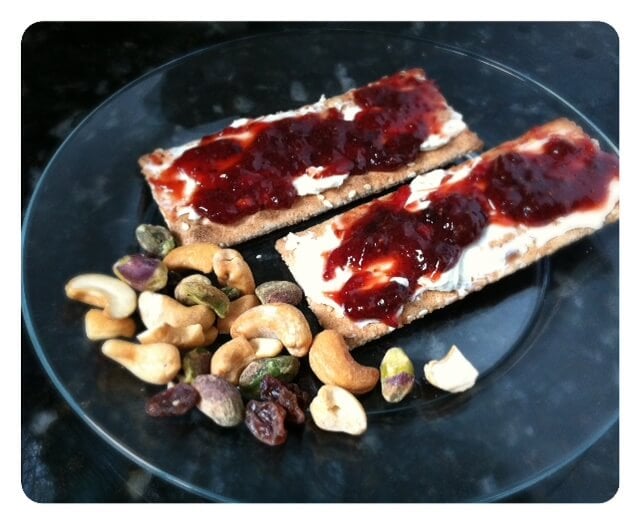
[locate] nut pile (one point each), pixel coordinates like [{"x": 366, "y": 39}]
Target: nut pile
[{"x": 187, "y": 296}]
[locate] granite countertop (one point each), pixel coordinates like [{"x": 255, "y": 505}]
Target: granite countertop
[{"x": 69, "y": 68}]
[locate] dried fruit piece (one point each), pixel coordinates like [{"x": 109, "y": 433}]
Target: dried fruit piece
[
  {"x": 141, "y": 273},
  {"x": 335, "y": 409},
  {"x": 265, "y": 420},
  {"x": 198, "y": 290},
  {"x": 284, "y": 368},
  {"x": 219, "y": 400},
  {"x": 279, "y": 392},
  {"x": 155, "y": 240},
  {"x": 196, "y": 362},
  {"x": 453, "y": 372},
  {"x": 172, "y": 402},
  {"x": 279, "y": 291},
  {"x": 303, "y": 396},
  {"x": 397, "y": 375}
]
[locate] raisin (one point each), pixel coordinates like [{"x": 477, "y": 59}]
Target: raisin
[
  {"x": 265, "y": 420},
  {"x": 172, "y": 402},
  {"x": 273, "y": 389},
  {"x": 304, "y": 399}
]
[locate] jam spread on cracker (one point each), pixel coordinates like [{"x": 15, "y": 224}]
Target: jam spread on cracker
[
  {"x": 251, "y": 167},
  {"x": 393, "y": 244}
]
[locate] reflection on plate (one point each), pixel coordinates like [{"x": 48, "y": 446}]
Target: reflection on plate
[{"x": 545, "y": 339}]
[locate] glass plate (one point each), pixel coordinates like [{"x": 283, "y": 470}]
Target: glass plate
[{"x": 545, "y": 339}]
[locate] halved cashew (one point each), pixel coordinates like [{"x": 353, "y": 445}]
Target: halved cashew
[
  {"x": 453, "y": 372},
  {"x": 266, "y": 347},
  {"x": 153, "y": 363},
  {"x": 236, "y": 308},
  {"x": 99, "y": 326},
  {"x": 183, "y": 337},
  {"x": 232, "y": 271},
  {"x": 332, "y": 363},
  {"x": 231, "y": 358},
  {"x": 335, "y": 409},
  {"x": 282, "y": 321},
  {"x": 198, "y": 256},
  {"x": 109, "y": 293},
  {"x": 157, "y": 309}
]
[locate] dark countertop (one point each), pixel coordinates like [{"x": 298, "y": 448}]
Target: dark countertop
[{"x": 69, "y": 68}]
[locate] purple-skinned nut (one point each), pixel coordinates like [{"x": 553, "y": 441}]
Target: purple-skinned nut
[
  {"x": 397, "y": 375},
  {"x": 279, "y": 291},
  {"x": 219, "y": 400},
  {"x": 141, "y": 273}
]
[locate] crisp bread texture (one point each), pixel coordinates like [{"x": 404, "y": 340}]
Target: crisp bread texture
[
  {"x": 429, "y": 301},
  {"x": 191, "y": 229}
]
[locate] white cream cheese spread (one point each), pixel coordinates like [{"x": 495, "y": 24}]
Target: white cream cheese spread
[
  {"x": 487, "y": 256},
  {"x": 307, "y": 183}
]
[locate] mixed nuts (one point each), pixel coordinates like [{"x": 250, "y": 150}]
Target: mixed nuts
[{"x": 176, "y": 348}]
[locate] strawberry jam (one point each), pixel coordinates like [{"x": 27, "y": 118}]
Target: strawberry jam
[
  {"x": 242, "y": 170},
  {"x": 392, "y": 245}
]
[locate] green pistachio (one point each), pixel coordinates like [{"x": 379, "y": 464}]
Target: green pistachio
[
  {"x": 284, "y": 368},
  {"x": 231, "y": 292},
  {"x": 196, "y": 362},
  {"x": 155, "y": 240},
  {"x": 397, "y": 375},
  {"x": 197, "y": 289}
]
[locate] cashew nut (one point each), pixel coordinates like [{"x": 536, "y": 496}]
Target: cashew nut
[
  {"x": 332, "y": 363},
  {"x": 232, "y": 271},
  {"x": 210, "y": 336},
  {"x": 198, "y": 256},
  {"x": 109, "y": 293},
  {"x": 335, "y": 409},
  {"x": 453, "y": 372},
  {"x": 183, "y": 337},
  {"x": 153, "y": 363},
  {"x": 236, "y": 308},
  {"x": 157, "y": 309},
  {"x": 282, "y": 321},
  {"x": 266, "y": 347},
  {"x": 99, "y": 326},
  {"x": 231, "y": 358}
]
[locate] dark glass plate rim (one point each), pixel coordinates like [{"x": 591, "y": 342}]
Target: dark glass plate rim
[{"x": 125, "y": 450}]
